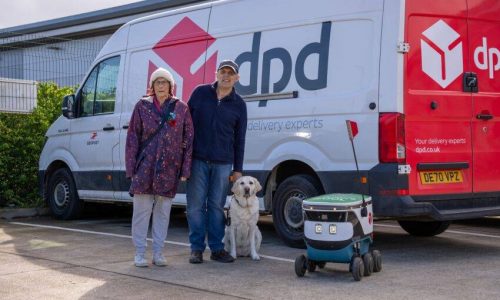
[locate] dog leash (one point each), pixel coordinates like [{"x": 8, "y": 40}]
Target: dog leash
[
  {"x": 228, "y": 215},
  {"x": 238, "y": 202}
]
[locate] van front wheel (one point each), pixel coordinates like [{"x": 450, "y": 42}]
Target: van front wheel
[
  {"x": 63, "y": 199},
  {"x": 287, "y": 207}
]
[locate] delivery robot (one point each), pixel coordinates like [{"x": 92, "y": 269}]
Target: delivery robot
[{"x": 338, "y": 228}]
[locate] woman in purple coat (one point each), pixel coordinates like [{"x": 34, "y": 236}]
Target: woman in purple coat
[{"x": 158, "y": 155}]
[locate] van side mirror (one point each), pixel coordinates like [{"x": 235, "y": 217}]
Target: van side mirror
[{"x": 68, "y": 106}]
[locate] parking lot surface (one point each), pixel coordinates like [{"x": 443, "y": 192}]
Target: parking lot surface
[{"x": 92, "y": 258}]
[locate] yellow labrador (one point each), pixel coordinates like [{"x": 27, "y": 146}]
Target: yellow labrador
[{"x": 242, "y": 236}]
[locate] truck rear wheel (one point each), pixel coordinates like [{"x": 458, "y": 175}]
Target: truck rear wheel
[
  {"x": 418, "y": 228},
  {"x": 63, "y": 199},
  {"x": 287, "y": 207}
]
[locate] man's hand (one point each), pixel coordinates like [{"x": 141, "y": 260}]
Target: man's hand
[
  {"x": 183, "y": 178},
  {"x": 235, "y": 176}
]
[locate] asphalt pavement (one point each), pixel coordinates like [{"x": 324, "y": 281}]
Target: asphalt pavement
[{"x": 92, "y": 258}]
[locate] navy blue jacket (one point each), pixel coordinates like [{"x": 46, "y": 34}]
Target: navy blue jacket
[{"x": 219, "y": 126}]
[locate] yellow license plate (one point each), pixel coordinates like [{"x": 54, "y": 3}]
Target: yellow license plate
[{"x": 435, "y": 177}]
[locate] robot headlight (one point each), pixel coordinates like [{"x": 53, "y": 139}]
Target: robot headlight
[
  {"x": 318, "y": 228},
  {"x": 332, "y": 229}
]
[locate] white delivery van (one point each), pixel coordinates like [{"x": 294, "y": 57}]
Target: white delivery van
[{"x": 420, "y": 78}]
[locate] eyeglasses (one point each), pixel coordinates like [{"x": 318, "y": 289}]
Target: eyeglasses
[
  {"x": 161, "y": 82},
  {"x": 227, "y": 71}
]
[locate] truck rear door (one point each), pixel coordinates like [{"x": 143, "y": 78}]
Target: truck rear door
[
  {"x": 484, "y": 55},
  {"x": 437, "y": 110}
]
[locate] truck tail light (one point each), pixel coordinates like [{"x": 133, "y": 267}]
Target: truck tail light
[{"x": 392, "y": 148}]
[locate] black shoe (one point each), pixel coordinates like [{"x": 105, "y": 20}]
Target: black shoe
[
  {"x": 196, "y": 257},
  {"x": 221, "y": 256}
]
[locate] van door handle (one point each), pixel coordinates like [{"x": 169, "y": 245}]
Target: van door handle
[
  {"x": 484, "y": 116},
  {"x": 125, "y": 126},
  {"x": 108, "y": 128}
]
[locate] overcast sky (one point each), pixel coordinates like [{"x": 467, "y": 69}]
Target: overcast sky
[{"x": 22, "y": 12}]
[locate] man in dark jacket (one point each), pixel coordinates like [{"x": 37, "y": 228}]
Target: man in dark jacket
[{"x": 220, "y": 120}]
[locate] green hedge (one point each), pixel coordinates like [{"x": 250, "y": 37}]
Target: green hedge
[{"x": 21, "y": 141}]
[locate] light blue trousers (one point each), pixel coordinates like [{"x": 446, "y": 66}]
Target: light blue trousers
[{"x": 144, "y": 205}]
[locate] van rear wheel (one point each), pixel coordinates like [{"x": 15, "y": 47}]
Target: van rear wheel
[
  {"x": 418, "y": 228},
  {"x": 63, "y": 199},
  {"x": 287, "y": 207}
]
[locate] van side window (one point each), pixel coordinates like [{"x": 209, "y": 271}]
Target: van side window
[
  {"x": 88, "y": 94},
  {"x": 99, "y": 91}
]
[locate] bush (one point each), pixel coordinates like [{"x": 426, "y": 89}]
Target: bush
[{"x": 21, "y": 142}]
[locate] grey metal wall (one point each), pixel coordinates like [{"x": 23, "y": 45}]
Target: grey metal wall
[{"x": 64, "y": 62}]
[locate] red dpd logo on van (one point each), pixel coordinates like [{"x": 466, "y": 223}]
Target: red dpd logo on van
[{"x": 180, "y": 51}]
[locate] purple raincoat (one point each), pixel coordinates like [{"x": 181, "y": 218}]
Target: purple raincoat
[{"x": 167, "y": 156}]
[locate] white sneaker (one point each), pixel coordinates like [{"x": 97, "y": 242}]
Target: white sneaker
[
  {"x": 159, "y": 260},
  {"x": 140, "y": 261}
]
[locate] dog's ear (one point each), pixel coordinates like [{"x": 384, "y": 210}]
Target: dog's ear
[{"x": 258, "y": 187}]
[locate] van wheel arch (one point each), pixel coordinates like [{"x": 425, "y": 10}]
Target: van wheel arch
[{"x": 287, "y": 203}]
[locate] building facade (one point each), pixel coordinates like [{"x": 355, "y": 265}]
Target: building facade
[{"x": 61, "y": 50}]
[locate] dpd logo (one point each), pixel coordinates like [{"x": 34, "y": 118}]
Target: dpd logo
[
  {"x": 181, "y": 55},
  {"x": 442, "y": 53},
  {"x": 487, "y": 58},
  {"x": 291, "y": 66}
]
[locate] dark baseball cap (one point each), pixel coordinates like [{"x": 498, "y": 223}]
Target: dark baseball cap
[{"x": 230, "y": 64}]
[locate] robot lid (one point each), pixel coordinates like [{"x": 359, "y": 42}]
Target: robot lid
[{"x": 333, "y": 202}]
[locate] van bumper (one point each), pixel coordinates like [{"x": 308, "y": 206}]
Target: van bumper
[
  {"x": 384, "y": 179},
  {"x": 408, "y": 207}
]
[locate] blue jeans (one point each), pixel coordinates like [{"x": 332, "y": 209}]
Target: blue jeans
[{"x": 206, "y": 195}]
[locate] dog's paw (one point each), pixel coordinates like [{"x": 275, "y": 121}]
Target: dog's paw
[
  {"x": 255, "y": 257},
  {"x": 233, "y": 254}
]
